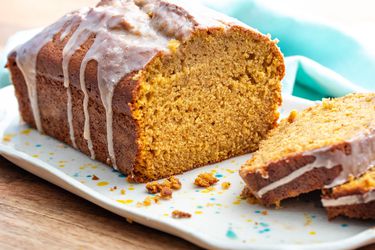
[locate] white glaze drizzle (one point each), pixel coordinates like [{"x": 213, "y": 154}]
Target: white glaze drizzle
[
  {"x": 86, "y": 126},
  {"x": 69, "y": 112},
  {"x": 136, "y": 46},
  {"x": 69, "y": 49},
  {"x": 350, "y": 199},
  {"x": 361, "y": 159},
  {"x": 65, "y": 65},
  {"x": 149, "y": 25},
  {"x": 26, "y": 60},
  {"x": 90, "y": 21}
]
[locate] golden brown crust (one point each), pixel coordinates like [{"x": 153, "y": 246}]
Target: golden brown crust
[
  {"x": 310, "y": 181},
  {"x": 357, "y": 211},
  {"x": 355, "y": 186},
  {"x": 52, "y": 101}
]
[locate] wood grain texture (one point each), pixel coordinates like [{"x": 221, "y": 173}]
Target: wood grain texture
[{"x": 35, "y": 214}]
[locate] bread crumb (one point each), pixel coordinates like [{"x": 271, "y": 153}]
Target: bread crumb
[
  {"x": 153, "y": 187},
  {"x": 205, "y": 180},
  {"x": 292, "y": 116},
  {"x": 166, "y": 193},
  {"x": 177, "y": 214},
  {"x": 171, "y": 183},
  {"x": 130, "y": 179},
  {"x": 129, "y": 220},
  {"x": 225, "y": 185},
  {"x": 95, "y": 178},
  {"x": 156, "y": 199},
  {"x": 175, "y": 183},
  {"x": 327, "y": 104}
]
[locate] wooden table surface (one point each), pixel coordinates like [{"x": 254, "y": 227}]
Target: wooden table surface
[{"x": 35, "y": 214}]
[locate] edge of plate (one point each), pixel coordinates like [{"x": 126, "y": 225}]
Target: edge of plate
[{"x": 47, "y": 172}]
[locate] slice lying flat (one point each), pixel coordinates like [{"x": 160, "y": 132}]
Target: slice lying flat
[
  {"x": 317, "y": 148},
  {"x": 355, "y": 199}
]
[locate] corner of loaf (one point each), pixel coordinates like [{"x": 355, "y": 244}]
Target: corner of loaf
[
  {"x": 151, "y": 87},
  {"x": 216, "y": 96}
]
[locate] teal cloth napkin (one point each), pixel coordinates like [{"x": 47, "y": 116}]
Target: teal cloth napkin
[{"x": 321, "y": 61}]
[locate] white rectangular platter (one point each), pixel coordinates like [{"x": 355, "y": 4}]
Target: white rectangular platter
[{"x": 220, "y": 219}]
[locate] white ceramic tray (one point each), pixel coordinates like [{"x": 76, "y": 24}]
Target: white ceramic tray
[{"x": 219, "y": 220}]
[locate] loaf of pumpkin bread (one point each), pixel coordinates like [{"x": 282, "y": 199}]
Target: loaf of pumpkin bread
[{"x": 153, "y": 88}]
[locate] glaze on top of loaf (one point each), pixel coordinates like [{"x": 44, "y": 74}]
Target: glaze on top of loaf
[{"x": 127, "y": 35}]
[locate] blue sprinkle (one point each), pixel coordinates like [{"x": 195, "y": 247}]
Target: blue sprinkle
[
  {"x": 264, "y": 230},
  {"x": 230, "y": 234},
  {"x": 76, "y": 175},
  {"x": 38, "y": 145},
  {"x": 263, "y": 224},
  {"x": 89, "y": 176},
  {"x": 196, "y": 190},
  {"x": 344, "y": 225},
  {"x": 51, "y": 158},
  {"x": 212, "y": 198},
  {"x": 122, "y": 176},
  {"x": 313, "y": 216},
  {"x": 199, "y": 206},
  {"x": 257, "y": 211},
  {"x": 218, "y": 175}
]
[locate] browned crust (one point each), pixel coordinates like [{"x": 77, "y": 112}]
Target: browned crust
[
  {"x": 310, "y": 181},
  {"x": 356, "y": 211},
  {"x": 52, "y": 101},
  {"x": 332, "y": 193}
]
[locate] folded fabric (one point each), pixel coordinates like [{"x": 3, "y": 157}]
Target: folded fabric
[{"x": 321, "y": 61}]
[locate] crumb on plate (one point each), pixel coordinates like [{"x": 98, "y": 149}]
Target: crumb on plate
[
  {"x": 153, "y": 187},
  {"x": 205, "y": 180},
  {"x": 177, "y": 214},
  {"x": 156, "y": 187},
  {"x": 166, "y": 193}
]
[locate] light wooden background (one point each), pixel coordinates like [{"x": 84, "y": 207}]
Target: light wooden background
[{"x": 35, "y": 214}]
